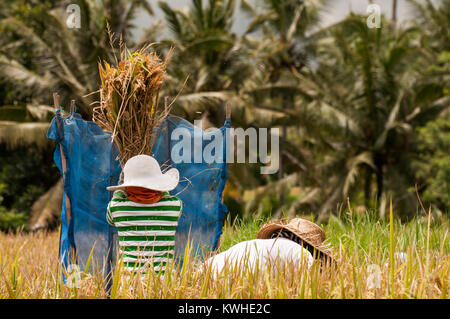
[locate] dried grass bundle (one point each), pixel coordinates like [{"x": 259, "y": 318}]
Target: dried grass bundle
[{"x": 129, "y": 100}]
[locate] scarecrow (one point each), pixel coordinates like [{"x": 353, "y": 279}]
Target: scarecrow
[
  {"x": 298, "y": 242},
  {"x": 141, "y": 208},
  {"x": 145, "y": 215}
]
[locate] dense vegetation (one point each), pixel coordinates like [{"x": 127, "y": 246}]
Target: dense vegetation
[
  {"x": 364, "y": 113},
  {"x": 25, "y": 175}
]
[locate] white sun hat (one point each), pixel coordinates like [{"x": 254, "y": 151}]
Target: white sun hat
[{"x": 144, "y": 171}]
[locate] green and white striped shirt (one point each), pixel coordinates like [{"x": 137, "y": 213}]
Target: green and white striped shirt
[{"x": 146, "y": 231}]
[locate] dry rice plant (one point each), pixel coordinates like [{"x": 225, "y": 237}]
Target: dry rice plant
[
  {"x": 129, "y": 100},
  {"x": 375, "y": 260}
]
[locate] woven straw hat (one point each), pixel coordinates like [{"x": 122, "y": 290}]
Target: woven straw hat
[{"x": 311, "y": 234}]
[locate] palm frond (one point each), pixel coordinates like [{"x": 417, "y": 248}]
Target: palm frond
[
  {"x": 172, "y": 19},
  {"x": 15, "y": 135},
  {"x": 17, "y": 72},
  {"x": 353, "y": 170}
]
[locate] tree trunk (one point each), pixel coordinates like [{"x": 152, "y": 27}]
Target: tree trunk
[
  {"x": 46, "y": 211},
  {"x": 327, "y": 208},
  {"x": 379, "y": 173},
  {"x": 288, "y": 103},
  {"x": 394, "y": 10},
  {"x": 367, "y": 186}
]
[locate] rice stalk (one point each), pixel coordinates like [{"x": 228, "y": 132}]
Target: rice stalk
[
  {"x": 129, "y": 105},
  {"x": 391, "y": 248},
  {"x": 37, "y": 272}
]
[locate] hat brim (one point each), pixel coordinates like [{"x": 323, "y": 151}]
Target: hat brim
[
  {"x": 268, "y": 229},
  {"x": 163, "y": 183}
]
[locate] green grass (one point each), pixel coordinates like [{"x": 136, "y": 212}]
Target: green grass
[
  {"x": 358, "y": 233},
  {"x": 363, "y": 247}
]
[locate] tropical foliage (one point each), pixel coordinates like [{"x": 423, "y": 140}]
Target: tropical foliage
[
  {"x": 25, "y": 175},
  {"x": 363, "y": 112},
  {"x": 433, "y": 165},
  {"x": 42, "y": 53}
]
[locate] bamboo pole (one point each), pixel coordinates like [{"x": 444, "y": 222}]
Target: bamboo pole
[
  {"x": 166, "y": 110},
  {"x": 227, "y": 117},
  {"x": 228, "y": 110},
  {"x": 57, "y": 106}
]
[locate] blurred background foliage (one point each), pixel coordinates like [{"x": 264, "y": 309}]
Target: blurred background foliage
[{"x": 364, "y": 114}]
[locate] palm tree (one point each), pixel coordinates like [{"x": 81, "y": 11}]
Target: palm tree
[
  {"x": 434, "y": 20},
  {"x": 59, "y": 58},
  {"x": 369, "y": 86},
  {"x": 39, "y": 55},
  {"x": 284, "y": 51},
  {"x": 217, "y": 62},
  {"x": 209, "y": 53},
  {"x": 361, "y": 107}
]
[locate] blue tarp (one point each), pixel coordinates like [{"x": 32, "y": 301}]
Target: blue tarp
[{"x": 93, "y": 164}]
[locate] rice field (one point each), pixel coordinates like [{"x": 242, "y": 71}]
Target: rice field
[{"x": 376, "y": 259}]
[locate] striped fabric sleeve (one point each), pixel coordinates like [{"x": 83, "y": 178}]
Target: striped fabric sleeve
[
  {"x": 181, "y": 205},
  {"x": 108, "y": 216}
]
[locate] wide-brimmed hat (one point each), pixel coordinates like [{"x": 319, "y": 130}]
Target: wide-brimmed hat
[
  {"x": 308, "y": 232},
  {"x": 144, "y": 171}
]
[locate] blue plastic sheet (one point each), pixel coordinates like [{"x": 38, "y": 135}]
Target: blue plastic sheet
[
  {"x": 93, "y": 164},
  {"x": 201, "y": 184}
]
